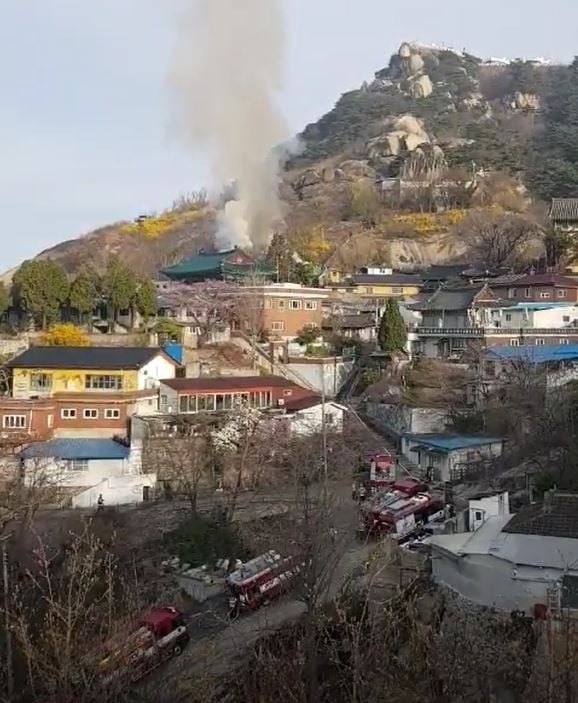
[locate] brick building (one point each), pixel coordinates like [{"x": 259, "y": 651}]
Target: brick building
[
  {"x": 281, "y": 309},
  {"x": 538, "y": 287}
]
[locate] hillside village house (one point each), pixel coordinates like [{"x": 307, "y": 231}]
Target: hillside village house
[
  {"x": 280, "y": 309},
  {"x": 82, "y": 392},
  {"x": 78, "y": 471},
  {"x": 537, "y": 287},
  {"x": 563, "y": 214},
  {"x": 449, "y": 457},
  {"x": 377, "y": 283},
  {"x": 526, "y": 562}
]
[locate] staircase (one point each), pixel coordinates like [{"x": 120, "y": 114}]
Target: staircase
[{"x": 263, "y": 360}]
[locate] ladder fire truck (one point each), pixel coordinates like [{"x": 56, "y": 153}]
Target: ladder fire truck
[
  {"x": 400, "y": 511},
  {"x": 157, "y": 636},
  {"x": 381, "y": 466},
  {"x": 261, "y": 580}
]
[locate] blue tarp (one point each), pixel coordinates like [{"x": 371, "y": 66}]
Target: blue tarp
[
  {"x": 536, "y": 354},
  {"x": 77, "y": 449}
]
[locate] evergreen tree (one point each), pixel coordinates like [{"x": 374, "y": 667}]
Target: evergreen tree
[
  {"x": 119, "y": 287},
  {"x": 392, "y": 331},
  {"x": 146, "y": 299},
  {"x": 4, "y": 299},
  {"x": 41, "y": 288},
  {"x": 84, "y": 293}
]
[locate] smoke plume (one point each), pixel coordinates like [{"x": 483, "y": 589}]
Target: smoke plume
[{"x": 228, "y": 69}]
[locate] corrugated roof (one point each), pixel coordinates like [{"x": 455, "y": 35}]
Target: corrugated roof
[
  {"x": 536, "y": 354},
  {"x": 448, "y": 443},
  {"x": 229, "y": 383},
  {"x": 77, "y": 449},
  {"x": 564, "y": 209},
  {"x": 493, "y": 540},
  {"x": 100, "y": 358},
  {"x": 557, "y": 516}
]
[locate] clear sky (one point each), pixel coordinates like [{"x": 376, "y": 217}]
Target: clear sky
[{"x": 85, "y": 113}]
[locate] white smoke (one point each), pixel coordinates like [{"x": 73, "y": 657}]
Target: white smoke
[{"x": 228, "y": 69}]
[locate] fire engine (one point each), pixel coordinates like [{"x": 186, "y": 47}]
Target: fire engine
[
  {"x": 260, "y": 580},
  {"x": 401, "y": 510},
  {"x": 381, "y": 465},
  {"x": 157, "y": 636}
]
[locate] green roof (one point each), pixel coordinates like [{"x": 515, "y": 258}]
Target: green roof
[{"x": 220, "y": 264}]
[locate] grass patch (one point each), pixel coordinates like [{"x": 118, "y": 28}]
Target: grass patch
[{"x": 201, "y": 540}]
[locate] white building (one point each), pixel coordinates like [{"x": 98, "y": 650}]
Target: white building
[
  {"x": 83, "y": 469},
  {"x": 305, "y": 416},
  {"x": 450, "y": 457},
  {"x": 513, "y": 563},
  {"x": 528, "y": 315}
]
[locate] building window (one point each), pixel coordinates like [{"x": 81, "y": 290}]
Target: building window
[
  {"x": 478, "y": 515},
  {"x": 311, "y": 305},
  {"x": 564, "y": 340},
  {"x": 514, "y": 342},
  {"x": 527, "y": 292},
  {"x": 78, "y": 465},
  {"x": 566, "y": 318},
  {"x": 105, "y": 383},
  {"x": 281, "y": 304},
  {"x": 277, "y": 326},
  {"x": 50, "y": 421},
  {"x": 508, "y": 317},
  {"x": 295, "y": 304},
  {"x": 68, "y": 413},
  {"x": 90, "y": 414},
  {"x": 545, "y": 294},
  {"x": 287, "y": 391},
  {"x": 512, "y": 292},
  {"x": 111, "y": 414},
  {"x": 397, "y": 291},
  {"x": 268, "y": 303},
  {"x": 14, "y": 422},
  {"x": 40, "y": 381},
  {"x": 561, "y": 292},
  {"x": 539, "y": 342}
]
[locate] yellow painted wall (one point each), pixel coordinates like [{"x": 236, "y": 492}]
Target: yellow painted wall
[
  {"x": 68, "y": 381},
  {"x": 381, "y": 291}
]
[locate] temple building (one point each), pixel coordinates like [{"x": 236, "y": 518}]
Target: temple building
[{"x": 223, "y": 265}]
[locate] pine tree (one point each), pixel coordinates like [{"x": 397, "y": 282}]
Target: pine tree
[
  {"x": 41, "y": 288},
  {"x": 84, "y": 293},
  {"x": 392, "y": 331},
  {"x": 146, "y": 299},
  {"x": 119, "y": 288}
]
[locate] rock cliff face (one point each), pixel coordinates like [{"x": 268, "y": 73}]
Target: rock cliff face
[{"x": 429, "y": 110}]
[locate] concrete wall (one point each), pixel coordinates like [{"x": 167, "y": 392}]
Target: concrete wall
[
  {"x": 454, "y": 461},
  {"x": 50, "y": 471},
  {"x": 493, "y": 582},
  {"x": 323, "y": 374},
  {"x": 310, "y": 421},
  {"x": 402, "y": 419},
  {"x": 123, "y": 490}
]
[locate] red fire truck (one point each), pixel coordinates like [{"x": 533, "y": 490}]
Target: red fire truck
[
  {"x": 381, "y": 466},
  {"x": 261, "y": 580},
  {"x": 156, "y": 636},
  {"x": 400, "y": 511}
]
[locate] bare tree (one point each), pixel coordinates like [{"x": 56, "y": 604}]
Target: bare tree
[{"x": 497, "y": 240}]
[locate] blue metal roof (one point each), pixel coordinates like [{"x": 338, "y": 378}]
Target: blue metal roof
[
  {"x": 536, "y": 354},
  {"x": 538, "y": 306},
  {"x": 448, "y": 443},
  {"x": 77, "y": 449}
]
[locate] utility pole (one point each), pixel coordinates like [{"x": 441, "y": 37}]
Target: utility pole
[
  {"x": 7, "y": 623},
  {"x": 324, "y": 425}
]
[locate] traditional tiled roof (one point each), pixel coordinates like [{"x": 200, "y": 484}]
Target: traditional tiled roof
[
  {"x": 352, "y": 322},
  {"x": 564, "y": 209},
  {"x": 101, "y": 358},
  {"x": 77, "y": 449},
  {"x": 459, "y": 298},
  {"x": 542, "y": 279},
  {"x": 222, "y": 264},
  {"x": 557, "y": 516}
]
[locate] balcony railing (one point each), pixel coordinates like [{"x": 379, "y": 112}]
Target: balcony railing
[{"x": 451, "y": 331}]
